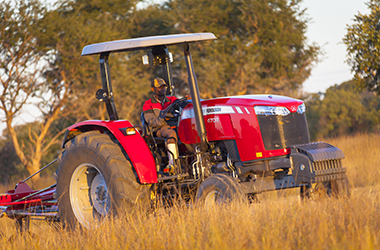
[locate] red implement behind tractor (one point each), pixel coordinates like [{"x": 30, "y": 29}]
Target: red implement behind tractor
[{"x": 229, "y": 148}]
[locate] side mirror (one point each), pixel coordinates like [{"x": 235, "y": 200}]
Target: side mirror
[{"x": 101, "y": 95}]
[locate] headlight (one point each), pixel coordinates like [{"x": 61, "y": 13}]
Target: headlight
[
  {"x": 270, "y": 110},
  {"x": 301, "y": 108}
]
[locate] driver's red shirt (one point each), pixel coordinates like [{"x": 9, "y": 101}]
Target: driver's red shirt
[{"x": 152, "y": 108}]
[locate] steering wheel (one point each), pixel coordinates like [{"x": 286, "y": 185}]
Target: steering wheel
[{"x": 167, "y": 113}]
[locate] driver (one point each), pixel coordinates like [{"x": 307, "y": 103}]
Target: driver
[{"x": 151, "y": 109}]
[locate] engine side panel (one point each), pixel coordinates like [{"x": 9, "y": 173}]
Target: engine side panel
[{"x": 134, "y": 145}]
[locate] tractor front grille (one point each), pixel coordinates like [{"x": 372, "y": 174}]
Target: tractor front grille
[{"x": 279, "y": 132}]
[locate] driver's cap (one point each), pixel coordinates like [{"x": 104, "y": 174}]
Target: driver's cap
[{"x": 157, "y": 82}]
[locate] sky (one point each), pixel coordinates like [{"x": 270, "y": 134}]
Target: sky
[{"x": 328, "y": 26}]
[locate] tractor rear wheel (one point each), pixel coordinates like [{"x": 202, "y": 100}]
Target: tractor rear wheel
[
  {"x": 219, "y": 189},
  {"x": 96, "y": 180}
]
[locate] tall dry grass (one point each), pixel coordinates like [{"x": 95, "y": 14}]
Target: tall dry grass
[
  {"x": 281, "y": 223},
  {"x": 362, "y": 158}
]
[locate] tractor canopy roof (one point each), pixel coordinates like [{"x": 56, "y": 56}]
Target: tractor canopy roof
[
  {"x": 158, "y": 54},
  {"x": 144, "y": 43}
]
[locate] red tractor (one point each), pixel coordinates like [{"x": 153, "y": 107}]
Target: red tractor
[{"x": 230, "y": 147}]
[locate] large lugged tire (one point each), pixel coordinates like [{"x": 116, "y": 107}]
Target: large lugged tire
[
  {"x": 96, "y": 180},
  {"x": 341, "y": 187},
  {"x": 335, "y": 188},
  {"x": 219, "y": 189}
]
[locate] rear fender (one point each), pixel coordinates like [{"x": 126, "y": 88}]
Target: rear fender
[{"x": 134, "y": 145}]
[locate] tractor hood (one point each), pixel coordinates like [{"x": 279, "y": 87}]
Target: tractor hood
[
  {"x": 264, "y": 100},
  {"x": 268, "y": 124}
]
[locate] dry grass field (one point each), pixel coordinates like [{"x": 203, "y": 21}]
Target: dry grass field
[{"x": 279, "y": 221}]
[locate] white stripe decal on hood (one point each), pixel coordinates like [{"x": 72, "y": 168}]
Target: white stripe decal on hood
[{"x": 213, "y": 110}]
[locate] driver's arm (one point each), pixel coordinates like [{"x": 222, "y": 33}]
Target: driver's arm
[{"x": 151, "y": 116}]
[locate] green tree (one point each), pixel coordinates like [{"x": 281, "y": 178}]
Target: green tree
[
  {"x": 257, "y": 51},
  {"x": 342, "y": 111},
  {"x": 261, "y": 44},
  {"x": 74, "y": 24},
  {"x": 11, "y": 168},
  {"x": 363, "y": 48},
  {"x": 40, "y": 59},
  {"x": 22, "y": 65}
]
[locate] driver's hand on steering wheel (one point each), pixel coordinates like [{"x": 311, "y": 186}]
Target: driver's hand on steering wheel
[
  {"x": 162, "y": 114},
  {"x": 165, "y": 115}
]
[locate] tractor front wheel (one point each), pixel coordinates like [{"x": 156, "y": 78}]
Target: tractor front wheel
[
  {"x": 219, "y": 189},
  {"x": 96, "y": 180},
  {"x": 335, "y": 188}
]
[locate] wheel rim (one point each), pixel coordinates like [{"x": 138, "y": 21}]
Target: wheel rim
[
  {"x": 212, "y": 198},
  {"x": 89, "y": 196}
]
